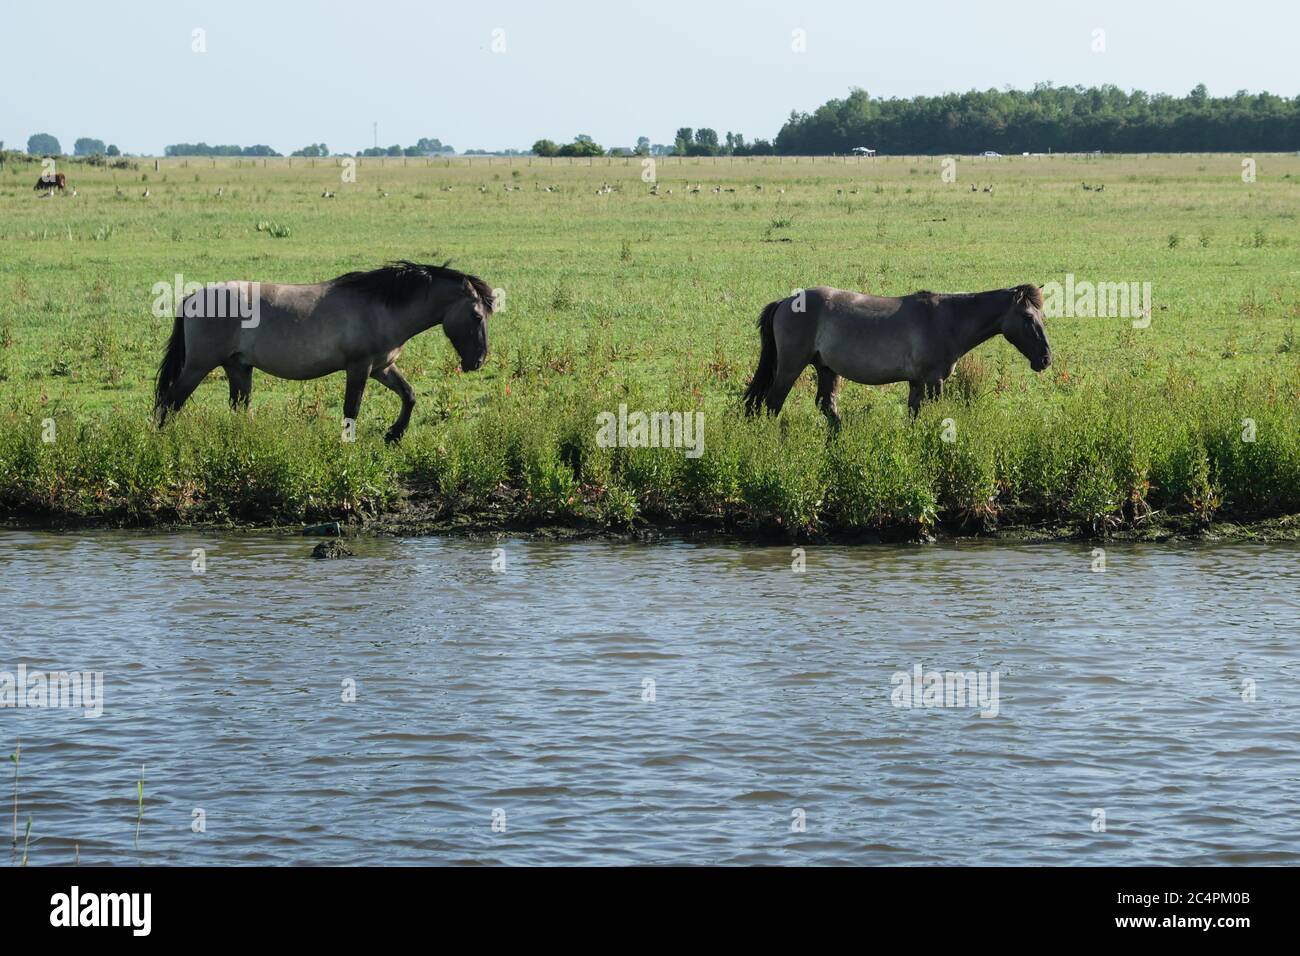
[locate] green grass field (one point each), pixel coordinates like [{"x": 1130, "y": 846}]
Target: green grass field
[{"x": 651, "y": 300}]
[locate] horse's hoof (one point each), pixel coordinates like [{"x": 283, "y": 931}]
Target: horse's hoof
[{"x": 392, "y": 437}]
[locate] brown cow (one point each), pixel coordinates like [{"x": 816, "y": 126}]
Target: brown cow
[{"x": 57, "y": 181}]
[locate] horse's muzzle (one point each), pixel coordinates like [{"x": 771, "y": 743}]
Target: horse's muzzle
[{"x": 1039, "y": 364}]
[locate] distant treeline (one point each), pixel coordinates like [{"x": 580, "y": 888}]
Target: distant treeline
[
  {"x": 1062, "y": 119},
  {"x": 1046, "y": 118},
  {"x": 425, "y": 147},
  {"x": 203, "y": 149}
]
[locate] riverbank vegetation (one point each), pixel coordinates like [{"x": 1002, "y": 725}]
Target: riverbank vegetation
[{"x": 968, "y": 464}]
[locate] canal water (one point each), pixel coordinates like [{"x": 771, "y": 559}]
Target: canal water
[{"x": 434, "y": 701}]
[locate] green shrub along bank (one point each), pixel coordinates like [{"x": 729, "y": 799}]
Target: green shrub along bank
[{"x": 1088, "y": 460}]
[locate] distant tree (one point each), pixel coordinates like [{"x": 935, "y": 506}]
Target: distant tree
[
  {"x": 428, "y": 146},
  {"x": 708, "y": 139},
  {"x": 85, "y": 146},
  {"x": 394, "y": 150},
  {"x": 582, "y": 145},
  {"x": 112, "y": 151},
  {"x": 43, "y": 144},
  {"x": 643, "y": 145},
  {"x": 685, "y": 137},
  {"x": 312, "y": 150},
  {"x": 544, "y": 147}
]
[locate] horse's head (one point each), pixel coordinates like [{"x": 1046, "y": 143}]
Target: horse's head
[
  {"x": 465, "y": 323},
  {"x": 1022, "y": 324}
]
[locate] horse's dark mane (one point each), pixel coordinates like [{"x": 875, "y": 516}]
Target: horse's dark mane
[
  {"x": 398, "y": 282},
  {"x": 1031, "y": 293}
]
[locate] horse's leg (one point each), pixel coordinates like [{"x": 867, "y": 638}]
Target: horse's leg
[
  {"x": 828, "y": 387},
  {"x": 914, "y": 393},
  {"x": 786, "y": 375},
  {"x": 241, "y": 383},
  {"x": 391, "y": 377},
  {"x": 933, "y": 390},
  {"x": 352, "y": 392}
]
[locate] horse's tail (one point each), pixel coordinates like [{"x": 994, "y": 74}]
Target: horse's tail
[
  {"x": 170, "y": 368},
  {"x": 766, "y": 371}
]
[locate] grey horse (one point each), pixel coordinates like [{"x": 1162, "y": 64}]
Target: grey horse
[
  {"x": 876, "y": 340},
  {"x": 357, "y": 323}
]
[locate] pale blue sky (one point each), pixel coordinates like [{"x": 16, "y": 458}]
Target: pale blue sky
[{"x": 290, "y": 72}]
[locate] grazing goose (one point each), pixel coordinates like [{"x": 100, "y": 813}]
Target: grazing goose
[
  {"x": 145, "y": 194},
  {"x": 327, "y": 195}
]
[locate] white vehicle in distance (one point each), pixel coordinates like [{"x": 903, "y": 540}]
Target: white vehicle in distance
[
  {"x": 863, "y": 151},
  {"x": 990, "y": 154}
]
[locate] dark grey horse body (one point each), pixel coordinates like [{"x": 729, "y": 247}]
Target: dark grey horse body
[
  {"x": 357, "y": 323},
  {"x": 875, "y": 340}
]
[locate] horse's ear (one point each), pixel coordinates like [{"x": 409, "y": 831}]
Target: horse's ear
[
  {"x": 1028, "y": 293},
  {"x": 470, "y": 292}
]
